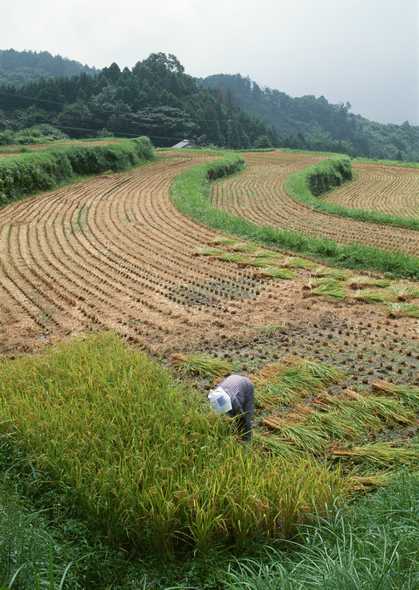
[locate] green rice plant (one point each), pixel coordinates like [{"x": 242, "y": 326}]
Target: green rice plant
[
  {"x": 405, "y": 292},
  {"x": 383, "y": 454},
  {"x": 364, "y": 281},
  {"x": 223, "y": 241},
  {"x": 340, "y": 424},
  {"x": 243, "y": 247},
  {"x": 143, "y": 459},
  {"x": 295, "y": 262},
  {"x": 399, "y": 310},
  {"x": 235, "y": 257},
  {"x": 375, "y": 295},
  {"x": 286, "y": 383},
  {"x": 305, "y": 438},
  {"x": 201, "y": 365},
  {"x": 370, "y": 481},
  {"x": 332, "y": 273},
  {"x": 209, "y": 251},
  {"x": 408, "y": 394},
  {"x": 328, "y": 288},
  {"x": 273, "y": 445},
  {"x": 31, "y": 557},
  {"x": 277, "y": 273}
]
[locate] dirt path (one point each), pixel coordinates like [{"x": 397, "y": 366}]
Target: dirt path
[
  {"x": 258, "y": 194},
  {"x": 113, "y": 253}
]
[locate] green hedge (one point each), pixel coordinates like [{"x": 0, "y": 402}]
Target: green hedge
[
  {"x": 308, "y": 184},
  {"x": 328, "y": 174},
  {"x": 190, "y": 194},
  {"x": 32, "y": 172}
]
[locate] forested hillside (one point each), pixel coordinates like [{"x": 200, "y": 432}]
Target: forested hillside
[
  {"x": 20, "y": 67},
  {"x": 314, "y": 123},
  {"x": 157, "y": 98},
  {"x": 154, "y": 98}
]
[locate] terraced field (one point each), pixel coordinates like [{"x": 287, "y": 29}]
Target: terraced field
[
  {"x": 387, "y": 189},
  {"x": 114, "y": 253},
  {"x": 258, "y": 195}
]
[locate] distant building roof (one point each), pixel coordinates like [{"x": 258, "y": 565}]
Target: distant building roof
[{"x": 184, "y": 144}]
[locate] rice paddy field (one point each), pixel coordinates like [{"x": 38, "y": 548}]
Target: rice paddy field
[{"x": 125, "y": 297}]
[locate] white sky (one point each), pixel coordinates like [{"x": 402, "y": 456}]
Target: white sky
[{"x": 363, "y": 51}]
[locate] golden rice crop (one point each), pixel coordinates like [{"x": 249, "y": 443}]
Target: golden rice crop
[{"x": 146, "y": 460}]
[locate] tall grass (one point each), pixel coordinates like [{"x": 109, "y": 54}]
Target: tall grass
[
  {"x": 191, "y": 195},
  {"x": 371, "y": 545},
  {"x": 30, "y": 557},
  {"x": 28, "y": 173},
  {"x": 307, "y": 185},
  {"x": 147, "y": 463}
]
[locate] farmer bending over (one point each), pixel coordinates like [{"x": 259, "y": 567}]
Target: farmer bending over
[{"x": 234, "y": 396}]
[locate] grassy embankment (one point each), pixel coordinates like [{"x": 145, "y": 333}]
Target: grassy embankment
[
  {"x": 190, "y": 194},
  {"x": 38, "y": 171},
  {"x": 309, "y": 184}
]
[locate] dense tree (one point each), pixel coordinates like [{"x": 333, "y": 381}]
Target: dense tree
[
  {"x": 313, "y": 123},
  {"x": 155, "y": 98}
]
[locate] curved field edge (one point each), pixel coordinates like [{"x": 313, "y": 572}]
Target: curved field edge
[
  {"x": 33, "y": 172},
  {"x": 190, "y": 193},
  {"x": 302, "y": 185}
]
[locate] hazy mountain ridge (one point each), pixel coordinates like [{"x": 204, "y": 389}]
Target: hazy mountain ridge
[
  {"x": 19, "y": 67},
  {"x": 156, "y": 97},
  {"x": 314, "y": 123}
]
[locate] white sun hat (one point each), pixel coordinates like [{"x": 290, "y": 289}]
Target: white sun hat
[{"x": 219, "y": 400}]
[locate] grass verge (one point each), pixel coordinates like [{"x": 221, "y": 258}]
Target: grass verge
[
  {"x": 191, "y": 195},
  {"x": 306, "y": 186},
  {"x": 372, "y": 544}
]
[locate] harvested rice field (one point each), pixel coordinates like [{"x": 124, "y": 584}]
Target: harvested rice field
[
  {"x": 114, "y": 253},
  {"x": 120, "y": 308},
  {"x": 258, "y": 195},
  {"x": 393, "y": 190}
]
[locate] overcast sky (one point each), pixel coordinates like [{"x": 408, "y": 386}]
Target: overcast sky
[{"x": 362, "y": 51}]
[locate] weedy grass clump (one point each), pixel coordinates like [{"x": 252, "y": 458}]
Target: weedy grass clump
[
  {"x": 142, "y": 457},
  {"x": 369, "y": 544}
]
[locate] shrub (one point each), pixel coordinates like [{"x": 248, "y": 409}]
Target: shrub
[
  {"x": 31, "y": 172},
  {"x": 328, "y": 174},
  {"x": 146, "y": 461}
]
